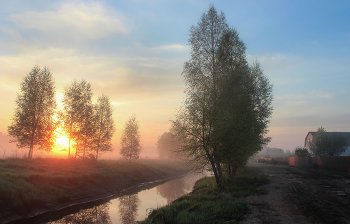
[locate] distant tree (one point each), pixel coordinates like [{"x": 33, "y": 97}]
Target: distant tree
[
  {"x": 130, "y": 140},
  {"x": 288, "y": 153},
  {"x": 77, "y": 115},
  {"x": 167, "y": 146},
  {"x": 33, "y": 124},
  {"x": 302, "y": 152},
  {"x": 324, "y": 144},
  {"x": 104, "y": 125}
]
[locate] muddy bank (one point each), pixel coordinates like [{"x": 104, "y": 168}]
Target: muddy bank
[
  {"x": 300, "y": 195},
  {"x": 85, "y": 194}
]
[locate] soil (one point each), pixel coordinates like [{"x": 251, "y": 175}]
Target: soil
[
  {"x": 91, "y": 193},
  {"x": 300, "y": 195}
]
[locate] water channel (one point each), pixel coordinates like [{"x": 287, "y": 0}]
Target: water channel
[{"x": 134, "y": 205}]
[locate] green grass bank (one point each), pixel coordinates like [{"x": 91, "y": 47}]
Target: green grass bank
[
  {"x": 28, "y": 184},
  {"x": 209, "y": 203}
]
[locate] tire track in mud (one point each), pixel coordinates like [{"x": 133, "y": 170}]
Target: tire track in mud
[{"x": 296, "y": 195}]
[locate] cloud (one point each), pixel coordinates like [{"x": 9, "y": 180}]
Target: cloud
[
  {"x": 72, "y": 20},
  {"x": 173, "y": 47},
  {"x": 126, "y": 79}
]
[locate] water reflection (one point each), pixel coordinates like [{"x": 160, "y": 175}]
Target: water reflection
[
  {"x": 134, "y": 207},
  {"x": 128, "y": 207},
  {"x": 172, "y": 190},
  {"x": 97, "y": 215}
]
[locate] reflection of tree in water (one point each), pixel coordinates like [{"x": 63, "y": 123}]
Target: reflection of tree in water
[
  {"x": 172, "y": 190},
  {"x": 96, "y": 215},
  {"x": 128, "y": 207}
]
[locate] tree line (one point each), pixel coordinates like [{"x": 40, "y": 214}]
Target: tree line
[
  {"x": 88, "y": 126},
  {"x": 224, "y": 118}
]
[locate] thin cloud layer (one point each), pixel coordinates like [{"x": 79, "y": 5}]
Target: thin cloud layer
[{"x": 73, "y": 21}]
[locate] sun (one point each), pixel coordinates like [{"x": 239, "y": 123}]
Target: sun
[{"x": 61, "y": 142}]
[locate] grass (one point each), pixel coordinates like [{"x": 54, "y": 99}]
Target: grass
[
  {"x": 209, "y": 203},
  {"x": 30, "y": 183}
]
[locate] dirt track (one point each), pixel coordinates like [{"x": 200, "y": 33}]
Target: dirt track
[{"x": 300, "y": 195}]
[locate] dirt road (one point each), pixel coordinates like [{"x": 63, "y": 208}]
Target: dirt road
[{"x": 300, "y": 195}]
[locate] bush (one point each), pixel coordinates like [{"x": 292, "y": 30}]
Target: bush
[{"x": 302, "y": 152}]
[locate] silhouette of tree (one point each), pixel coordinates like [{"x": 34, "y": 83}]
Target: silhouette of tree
[
  {"x": 33, "y": 124},
  {"x": 128, "y": 207},
  {"x": 130, "y": 140},
  {"x": 104, "y": 125},
  {"x": 77, "y": 115}
]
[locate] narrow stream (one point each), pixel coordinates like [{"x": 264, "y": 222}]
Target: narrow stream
[{"x": 134, "y": 206}]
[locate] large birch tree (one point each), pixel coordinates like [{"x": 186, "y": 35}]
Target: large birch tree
[
  {"x": 77, "y": 116},
  {"x": 33, "y": 124},
  {"x": 225, "y": 114}
]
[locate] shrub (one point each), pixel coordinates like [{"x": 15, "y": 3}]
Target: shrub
[{"x": 302, "y": 152}]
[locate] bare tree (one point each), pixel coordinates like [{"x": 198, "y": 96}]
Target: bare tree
[
  {"x": 33, "y": 124},
  {"x": 104, "y": 125},
  {"x": 130, "y": 140}
]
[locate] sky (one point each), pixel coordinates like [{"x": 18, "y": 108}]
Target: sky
[{"x": 134, "y": 52}]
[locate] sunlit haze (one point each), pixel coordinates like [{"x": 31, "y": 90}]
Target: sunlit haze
[{"x": 134, "y": 51}]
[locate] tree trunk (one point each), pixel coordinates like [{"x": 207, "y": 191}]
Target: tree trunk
[{"x": 68, "y": 148}]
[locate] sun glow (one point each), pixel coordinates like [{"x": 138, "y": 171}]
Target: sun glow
[{"x": 61, "y": 143}]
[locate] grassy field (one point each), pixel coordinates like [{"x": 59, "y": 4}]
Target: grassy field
[
  {"x": 212, "y": 204},
  {"x": 31, "y": 183}
]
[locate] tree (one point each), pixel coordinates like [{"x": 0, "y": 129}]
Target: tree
[
  {"x": 194, "y": 123},
  {"x": 326, "y": 144},
  {"x": 77, "y": 115},
  {"x": 302, "y": 152},
  {"x": 104, "y": 125},
  {"x": 288, "y": 153},
  {"x": 228, "y": 103},
  {"x": 130, "y": 140},
  {"x": 33, "y": 124},
  {"x": 167, "y": 146}
]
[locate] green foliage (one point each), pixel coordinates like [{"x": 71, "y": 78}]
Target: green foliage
[
  {"x": 130, "y": 140},
  {"x": 228, "y": 104},
  {"x": 209, "y": 203},
  {"x": 325, "y": 144},
  {"x": 302, "y": 152},
  {"x": 32, "y": 124}
]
